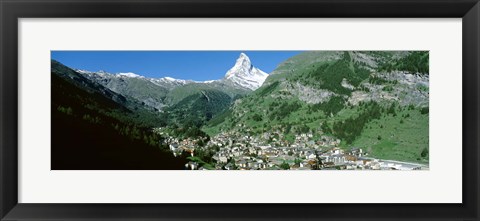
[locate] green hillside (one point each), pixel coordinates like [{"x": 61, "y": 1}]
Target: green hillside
[
  {"x": 182, "y": 92},
  {"x": 140, "y": 89},
  {"x": 352, "y": 96},
  {"x": 92, "y": 124},
  {"x": 196, "y": 109}
]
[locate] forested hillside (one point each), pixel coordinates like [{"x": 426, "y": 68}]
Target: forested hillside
[{"x": 96, "y": 128}]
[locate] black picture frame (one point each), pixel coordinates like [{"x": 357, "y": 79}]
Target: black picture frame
[{"x": 12, "y": 10}]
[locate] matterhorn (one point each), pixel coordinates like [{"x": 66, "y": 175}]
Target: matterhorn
[{"x": 244, "y": 74}]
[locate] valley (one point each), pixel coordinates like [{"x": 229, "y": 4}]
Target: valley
[{"x": 318, "y": 110}]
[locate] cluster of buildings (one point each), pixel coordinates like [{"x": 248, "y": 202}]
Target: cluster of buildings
[
  {"x": 237, "y": 151},
  {"x": 178, "y": 146}
]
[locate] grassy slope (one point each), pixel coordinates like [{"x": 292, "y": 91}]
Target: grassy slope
[
  {"x": 140, "y": 89},
  {"x": 199, "y": 107},
  {"x": 399, "y": 141},
  {"x": 182, "y": 92}
]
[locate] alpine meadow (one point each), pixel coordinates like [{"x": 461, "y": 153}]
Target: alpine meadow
[{"x": 240, "y": 110}]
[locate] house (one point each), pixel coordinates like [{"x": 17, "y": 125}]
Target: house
[
  {"x": 191, "y": 165},
  {"x": 229, "y": 166},
  {"x": 329, "y": 164},
  {"x": 338, "y": 158},
  {"x": 241, "y": 163},
  {"x": 351, "y": 166},
  {"x": 350, "y": 158},
  {"x": 222, "y": 159},
  {"x": 262, "y": 165},
  {"x": 375, "y": 166},
  {"x": 173, "y": 146},
  {"x": 294, "y": 167},
  {"x": 337, "y": 151},
  {"x": 356, "y": 152},
  {"x": 253, "y": 165}
]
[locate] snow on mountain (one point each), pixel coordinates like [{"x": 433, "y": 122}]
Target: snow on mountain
[
  {"x": 169, "y": 82},
  {"x": 95, "y": 75},
  {"x": 102, "y": 73},
  {"x": 179, "y": 81},
  {"x": 244, "y": 74},
  {"x": 210, "y": 81},
  {"x": 83, "y": 71},
  {"x": 130, "y": 75},
  {"x": 174, "y": 81}
]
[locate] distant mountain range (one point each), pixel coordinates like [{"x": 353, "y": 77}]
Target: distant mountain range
[{"x": 155, "y": 92}]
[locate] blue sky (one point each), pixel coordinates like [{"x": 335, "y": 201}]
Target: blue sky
[{"x": 191, "y": 65}]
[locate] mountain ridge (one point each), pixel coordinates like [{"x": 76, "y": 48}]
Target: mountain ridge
[
  {"x": 158, "y": 93},
  {"x": 251, "y": 76}
]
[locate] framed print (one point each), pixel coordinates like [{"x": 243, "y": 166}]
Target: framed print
[{"x": 239, "y": 110}]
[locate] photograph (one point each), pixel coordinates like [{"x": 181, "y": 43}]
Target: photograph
[{"x": 239, "y": 110}]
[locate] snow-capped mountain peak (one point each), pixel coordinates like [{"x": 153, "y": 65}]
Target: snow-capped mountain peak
[{"x": 244, "y": 74}]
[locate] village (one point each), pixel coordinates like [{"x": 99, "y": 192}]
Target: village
[{"x": 236, "y": 151}]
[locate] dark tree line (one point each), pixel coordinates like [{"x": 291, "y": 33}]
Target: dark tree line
[
  {"x": 332, "y": 106},
  {"x": 284, "y": 110},
  {"x": 352, "y": 127},
  {"x": 330, "y": 76},
  {"x": 415, "y": 62}
]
